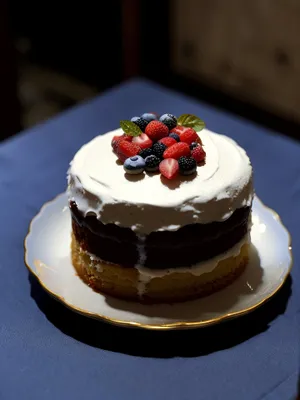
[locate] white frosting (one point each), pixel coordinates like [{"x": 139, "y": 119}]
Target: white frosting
[
  {"x": 146, "y": 203},
  {"x": 141, "y": 250}
]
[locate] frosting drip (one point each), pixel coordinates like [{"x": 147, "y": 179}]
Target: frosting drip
[
  {"x": 147, "y": 274},
  {"x": 98, "y": 185}
]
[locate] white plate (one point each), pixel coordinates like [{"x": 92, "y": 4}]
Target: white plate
[{"x": 47, "y": 255}]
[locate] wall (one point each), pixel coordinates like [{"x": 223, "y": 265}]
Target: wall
[{"x": 248, "y": 48}]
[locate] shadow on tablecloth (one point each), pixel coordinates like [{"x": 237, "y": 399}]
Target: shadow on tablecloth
[{"x": 188, "y": 343}]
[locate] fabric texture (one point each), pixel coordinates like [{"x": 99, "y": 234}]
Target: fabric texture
[{"x": 49, "y": 352}]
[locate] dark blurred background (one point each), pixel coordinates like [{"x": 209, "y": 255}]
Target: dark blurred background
[{"x": 238, "y": 55}]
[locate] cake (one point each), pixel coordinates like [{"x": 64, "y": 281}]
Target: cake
[{"x": 161, "y": 210}]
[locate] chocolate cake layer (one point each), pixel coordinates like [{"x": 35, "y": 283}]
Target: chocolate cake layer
[{"x": 168, "y": 249}]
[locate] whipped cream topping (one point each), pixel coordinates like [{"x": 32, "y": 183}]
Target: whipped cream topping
[{"x": 145, "y": 203}]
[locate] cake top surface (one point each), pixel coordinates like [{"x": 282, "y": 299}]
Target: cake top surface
[{"x": 148, "y": 202}]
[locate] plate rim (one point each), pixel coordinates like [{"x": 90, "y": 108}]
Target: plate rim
[{"x": 179, "y": 325}]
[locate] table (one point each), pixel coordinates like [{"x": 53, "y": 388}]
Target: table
[{"x": 49, "y": 352}]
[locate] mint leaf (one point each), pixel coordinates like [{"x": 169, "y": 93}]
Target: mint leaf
[
  {"x": 130, "y": 128},
  {"x": 191, "y": 121}
]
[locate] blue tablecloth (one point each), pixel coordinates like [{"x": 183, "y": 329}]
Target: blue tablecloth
[{"x": 49, "y": 352}]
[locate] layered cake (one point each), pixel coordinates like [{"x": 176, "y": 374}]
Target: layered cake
[{"x": 161, "y": 209}]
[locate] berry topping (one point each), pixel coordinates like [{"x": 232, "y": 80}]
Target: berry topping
[
  {"x": 140, "y": 122},
  {"x": 169, "y": 168},
  {"x": 126, "y": 149},
  {"x": 151, "y": 142},
  {"x": 143, "y": 141},
  {"x": 175, "y": 136},
  {"x": 189, "y": 135},
  {"x": 177, "y": 150},
  {"x": 187, "y": 165},
  {"x": 149, "y": 117},
  {"x": 146, "y": 152},
  {"x": 198, "y": 154},
  {"x": 116, "y": 140},
  {"x": 158, "y": 149},
  {"x": 193, "y": 145},
  {"x": 152, "y": 163},
  {"x": 156, "y": 130},
  {"x": 169, "y": 120},
  {"x": 134, "y": 165},
  {"x": 167, "y": 141},
  {"x": 178, "y": 129}
]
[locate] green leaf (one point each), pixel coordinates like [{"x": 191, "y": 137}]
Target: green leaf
[
  {"x": 191, "y": 121},
  {"x": 130, "y": 128}
]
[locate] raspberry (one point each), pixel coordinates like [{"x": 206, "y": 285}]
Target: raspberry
[
  {"x": 187, "y": 165},
  {"x": 158, "y": 149},
  {"x": 156, "y": 130},
  {"x": 169, "y": 168},
  {"x": 126, "y": 149},
  {"x": 198, "y": 154},
  {"x": 177, "y": 150},
  {"x": 167, "y": 141},
  {"x": 117, "y": 139},
  {"x": 189, "y": 136},
  {"x": 143, "y": 141}
]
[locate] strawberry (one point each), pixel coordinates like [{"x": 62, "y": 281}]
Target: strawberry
[
  {"x": 126, "y": 149},
  {"x": 156, "y": 130},
  {"x": 169, "y": 168},
  {"x": 143, "y": 141},
  {"x": 178, "y": 129},
  {"x": 177, "y": 150},
  {"x": 116, "y": 140},
  {"x": 189, "y": 136},
  {"x": 186, "y": 134},
  {"x": 168, "y": 141},
  {"x": 198, "y": 154}
]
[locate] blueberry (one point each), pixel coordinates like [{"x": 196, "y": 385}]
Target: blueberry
[
  {"x": 158, "y": 149},
  {"x": 152, "y": 163},
  {"x": 149, "y": 117},
  {"x": 169, "y": 120},
  {"x": 193, "y": 145},
  {"x": 134, "y": 165},
  {"x": 175, "y": 136},
  {"x": 146, "y": 152},
  {"x": 187, "y": 165},
  {"x": 140, "y": 122}
]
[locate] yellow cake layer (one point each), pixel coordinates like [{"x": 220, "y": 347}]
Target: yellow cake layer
[{"x": 123, "y": 282}]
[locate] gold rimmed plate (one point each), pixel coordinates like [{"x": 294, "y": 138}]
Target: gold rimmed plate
[{"x": 47, "y": 256}]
